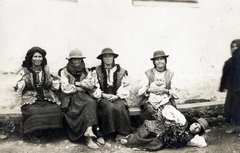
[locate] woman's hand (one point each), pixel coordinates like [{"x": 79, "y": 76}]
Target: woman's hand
[{"x": 110, "y": 97}]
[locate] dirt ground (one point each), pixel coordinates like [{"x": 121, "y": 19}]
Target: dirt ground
[{"x": 218, "y": 142}]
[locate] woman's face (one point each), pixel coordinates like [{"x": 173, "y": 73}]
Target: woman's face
[
  {"x": 160, "y": 62},
  {"x": 37, "y": 59},
  {"x": 195, "y": 128},
  {"x": 76, "y": 61},
  {"x": 234, "y": 47},
  {"x": 108, "y": 59}
]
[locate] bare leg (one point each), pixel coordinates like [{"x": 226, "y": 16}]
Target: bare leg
[{"x": 89, "y": 141}]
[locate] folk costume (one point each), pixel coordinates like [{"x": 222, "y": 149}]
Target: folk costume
[
  {"x": 39, "y": 105},
  {"x": 113, "y": 115},
  {"x": 149, "y": 112},
  {"x": 79, "y": 108}
]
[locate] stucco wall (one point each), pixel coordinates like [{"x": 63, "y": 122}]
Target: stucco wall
[{"x": 196, "y": 38}]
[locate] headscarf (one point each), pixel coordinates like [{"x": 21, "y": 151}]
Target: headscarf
[
  {"x": 28, "y": 58},
  {"x": 237, "y": 41},
  {"x": 75, "y": 70}
]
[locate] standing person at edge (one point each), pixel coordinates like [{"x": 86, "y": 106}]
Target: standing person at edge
[
  {"x": 230, "y": 82},
  {"x": 159, "y": 59},
  {"x": 79, "y": 108},
  {"x": 111, "y": 81},
  {"x": 40, "y": 107}
]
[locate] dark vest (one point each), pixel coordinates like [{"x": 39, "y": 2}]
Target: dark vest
[
  {"x": 120, "y": 74},
  {"x": 168, "y": 77},
  {"x": 29, "y": 93}
]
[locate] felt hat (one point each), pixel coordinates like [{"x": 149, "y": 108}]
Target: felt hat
[
  {"x": 203, "y": 122},
  {"x": 158, "y": 54},
  {"x": 75, "y": 53},
  {"x": 107, "y": 51}
]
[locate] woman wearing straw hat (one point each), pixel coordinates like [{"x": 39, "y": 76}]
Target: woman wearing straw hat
[
  {"x": 112, "y": 81},
  {"x": 79, "y": 108},
  {"x": 159, "y": 70}
]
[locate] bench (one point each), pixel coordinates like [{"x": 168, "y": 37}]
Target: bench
[{"x": 135, "y": 111}]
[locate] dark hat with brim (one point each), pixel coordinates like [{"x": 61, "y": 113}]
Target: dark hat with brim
[
  {"x": 158, "y": 54},
  {"x": 107, "y": 51}
]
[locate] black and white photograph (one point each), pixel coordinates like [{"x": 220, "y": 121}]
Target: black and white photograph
[{"x": 119, "y": 76}]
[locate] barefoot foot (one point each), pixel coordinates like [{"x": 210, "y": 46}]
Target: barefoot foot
[
  {"x": 33, "y": 138},
  {"x": 91, "y": 144},
  {"x": 123, "y": 141},
  {"x": 101, "y": 140},
  {"x": 229, "y": 131}
]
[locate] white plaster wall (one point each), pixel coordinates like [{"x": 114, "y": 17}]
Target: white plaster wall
[{"x": 196, "y": 38}]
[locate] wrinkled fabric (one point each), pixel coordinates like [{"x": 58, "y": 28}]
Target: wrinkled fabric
[
  {"x": 236, "y": 70},
  {"x": 80, "y": 109},
  {"x": 113, "y": 117},
  {"x": 40, "y": 116},
  {"x": 81, "y": 113},
  {"x": 230, "y": 81}
]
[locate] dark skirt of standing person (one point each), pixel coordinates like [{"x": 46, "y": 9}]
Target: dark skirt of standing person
[
  {"x": 80, "y": 115},
  {"x": 113, "y": 116},
  {"x": 232, "y": 106},
  {"x": 232, "y": 101},
  {"x": 41, "y": 115}
]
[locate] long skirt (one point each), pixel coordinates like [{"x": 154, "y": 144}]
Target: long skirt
[
  {"x": 81, "y": 113},
  {"x": 232, "y": 107},
  {"x": 156, "y": 134},
  {"x": 147, "y": 113},
  {"x": 144, "y": 139},
  {"x": 114, "y": 117},
  {"x": 41, "y": 116}
]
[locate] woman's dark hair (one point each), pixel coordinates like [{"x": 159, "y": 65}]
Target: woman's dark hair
[
  {"x": 28, "y": 58},
  {"x": 195, "y": 121},
  {"x": 165, "y": 63},
  {"x": 113, "y": 64}
]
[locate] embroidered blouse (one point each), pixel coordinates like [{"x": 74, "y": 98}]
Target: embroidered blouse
[
  {"x": 28, "y": 94},
  {"x": 122, "y": 92}
]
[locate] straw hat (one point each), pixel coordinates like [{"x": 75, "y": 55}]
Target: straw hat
[
  {"x": 75, "y": 53},
  {"x": 203, "y": 122}
]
